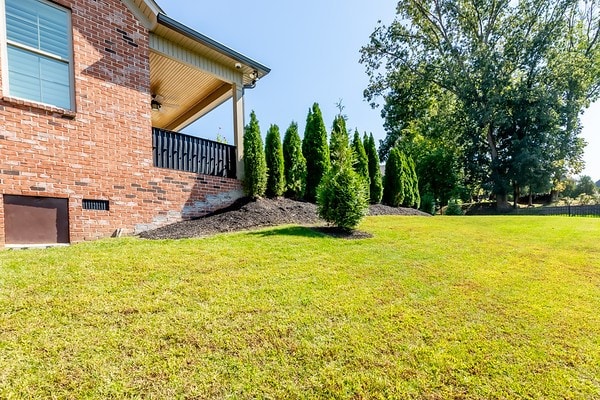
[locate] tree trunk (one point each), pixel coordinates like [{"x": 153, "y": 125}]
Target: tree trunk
[
  {"x": 502, "y": 203},
  {"x": 501, "y": 198},
  {"x": 516, "y": 194},
  {"x": 530, "y": 201}
]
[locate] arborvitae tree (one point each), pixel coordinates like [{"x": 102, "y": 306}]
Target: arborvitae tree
[
  {"x": 401, "y": 186},
  {"x": 274, "y": 158},
  {"x": 255, "y": 168},
  {"x": 294, "y": 163},
  {"x": 407, "y": 182},
  {"x": 393, "y": 188},
  {"x": 415, "y": 183},
  {"x": 338, "y": 143},
  {"x": 376, "y": 184},
  {"x": 342, "y": 197},
  {"x": 361, "y": 161},
  {"x": 315, "y": 151}
]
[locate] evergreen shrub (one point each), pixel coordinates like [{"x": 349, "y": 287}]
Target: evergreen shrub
[
  {"x": 294, "y": 163},
  {"x": 316, "y": 151},
  {"x": 255, "y": 167},
  {"x": 274, "y": 160},
  {"x": 454, "y": 207}
]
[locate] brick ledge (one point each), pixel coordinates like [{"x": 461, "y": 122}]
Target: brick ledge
[{"x": 69, "y": 114}]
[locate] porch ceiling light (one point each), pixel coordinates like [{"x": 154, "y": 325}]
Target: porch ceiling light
[{"x": 155, "y": 105}]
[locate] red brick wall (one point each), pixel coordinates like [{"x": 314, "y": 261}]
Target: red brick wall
[{"x": 104, "y": 149}]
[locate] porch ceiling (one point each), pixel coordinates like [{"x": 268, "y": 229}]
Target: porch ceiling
[
  {"x": 206, "y": 47},
  {"x": 185, "y": 93}
]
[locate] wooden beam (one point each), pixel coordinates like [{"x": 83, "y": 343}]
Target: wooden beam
[
  {"x": 202, "y": 107},
  {"x": 238, "y": 128}
]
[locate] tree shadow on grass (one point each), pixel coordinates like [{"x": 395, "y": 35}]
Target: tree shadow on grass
[
  {"x": 302, "y": 231},
  {"x": 314, "y": 232}
]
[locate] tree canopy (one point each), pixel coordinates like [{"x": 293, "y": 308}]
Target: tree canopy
[{"x": 517, "y": 74}]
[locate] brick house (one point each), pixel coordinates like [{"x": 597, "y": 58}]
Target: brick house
[{"x": 91, "y": 96}]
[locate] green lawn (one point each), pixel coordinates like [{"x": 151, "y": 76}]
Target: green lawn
[{"x": 430, "y": 308}]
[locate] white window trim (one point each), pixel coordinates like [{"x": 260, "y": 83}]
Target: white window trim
[
  {"x": 3, "y": 49},
  {"x": 4, "y": 42}
]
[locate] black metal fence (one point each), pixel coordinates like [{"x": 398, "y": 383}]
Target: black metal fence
[
  {"x": 571, "y": 211},
  {"x": 182, "y": 152}
]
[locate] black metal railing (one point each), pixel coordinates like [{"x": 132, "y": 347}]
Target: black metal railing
[
  {"x": 568, "y": 210},
  {"x": 182, "y": 152}
]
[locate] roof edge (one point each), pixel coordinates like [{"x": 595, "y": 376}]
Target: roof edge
[
  {"x": 140, "y": 11},
  {"x": 170, "y": 23},
  {"x": 153, "y": 5}
]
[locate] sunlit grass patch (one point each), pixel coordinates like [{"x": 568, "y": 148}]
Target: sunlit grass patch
[{"x": 477, "y": 307}]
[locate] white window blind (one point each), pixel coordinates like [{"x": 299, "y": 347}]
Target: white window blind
[{"x": 39, "y": 52}]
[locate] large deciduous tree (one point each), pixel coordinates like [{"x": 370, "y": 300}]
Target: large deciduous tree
[
  {"x": 520, "y": 73},
  {"x": 433, "y": 141}
]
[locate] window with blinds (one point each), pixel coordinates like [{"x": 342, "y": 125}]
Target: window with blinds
[{"x": 38, "y": 36}]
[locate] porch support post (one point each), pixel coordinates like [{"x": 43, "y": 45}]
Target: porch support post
[{"x": 238, "y": 127}]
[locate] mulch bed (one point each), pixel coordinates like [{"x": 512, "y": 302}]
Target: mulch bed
[{"x": 246, "y": 215}]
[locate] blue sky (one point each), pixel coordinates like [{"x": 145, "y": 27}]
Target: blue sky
[{"x": 312, "y": 48}]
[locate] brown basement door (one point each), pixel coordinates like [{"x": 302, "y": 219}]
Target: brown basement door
[{"x": 36, "y": 220}]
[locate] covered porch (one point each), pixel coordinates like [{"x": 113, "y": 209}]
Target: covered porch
[{"x": 191, "y": 75}]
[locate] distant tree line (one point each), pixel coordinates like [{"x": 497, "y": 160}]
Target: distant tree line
[{"x": 580, "y": 188}]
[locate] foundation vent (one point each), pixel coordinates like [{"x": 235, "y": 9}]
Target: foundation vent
[{"x": 96, "y": 205}]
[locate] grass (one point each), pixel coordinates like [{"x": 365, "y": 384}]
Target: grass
[{"x": 430, "y": 308}]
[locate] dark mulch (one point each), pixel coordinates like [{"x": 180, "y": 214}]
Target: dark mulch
[
  {"x": 246, "y": 214},
  {"x": 380, "y": 209}
]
